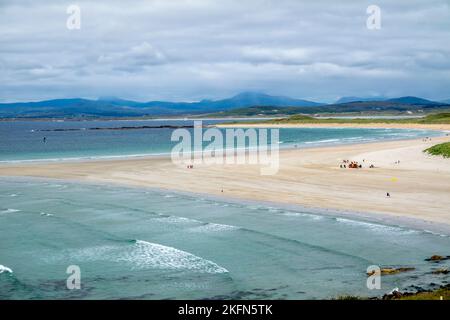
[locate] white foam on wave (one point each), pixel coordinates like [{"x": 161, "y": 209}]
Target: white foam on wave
[
  {"x": 256, "y": 207},
  {"x": 435, "y": 233},
  {"x": 5, "y": 269},
  {"x": 305, "y": 215},
  {"x": 9, "y": 210},
  {"x": 176, "y": 220},
  {"x": 107, "y": 157},
  {"x": 55, "y": 185},
  {"x": 155, "y": 256},
  {"x": 353, "y": 138},
  {"x": 143, "y": 255},
  {"x": 97, "y": 253},
  {"x": 379, "y": 228},
  {"x": 322, "y": 141},
  {"x": 213, "y": 227},
  {"x": 46, "y": 214}
]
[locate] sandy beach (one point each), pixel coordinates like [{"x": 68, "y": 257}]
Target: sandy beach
[
  {"x": 417, "y": 126},
  {"x": 419, "y": 185}
]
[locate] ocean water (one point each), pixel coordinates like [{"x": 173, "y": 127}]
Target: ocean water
[
  {"x": 23, "y": 140},
  {"x": 132, "y": 243},
  {"x": 148, "y": 244}
]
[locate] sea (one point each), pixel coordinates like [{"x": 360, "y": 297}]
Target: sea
[{"x": 143, "y": 243}]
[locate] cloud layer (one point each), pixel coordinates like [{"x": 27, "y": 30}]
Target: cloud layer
[{"x": 194, "y": 49}]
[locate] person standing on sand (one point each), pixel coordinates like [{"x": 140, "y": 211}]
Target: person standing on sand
[{"x": 388, "y": 195}]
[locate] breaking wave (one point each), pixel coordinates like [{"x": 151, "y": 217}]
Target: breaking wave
[
  {"x": 213, "y": 227},
  {"x": 143, "y": 255},
  {"x": 5, "y": 269},
  {"x": 379, "y": 228},
  {"x": 9, "y": 210},
  {"x": 156, "y": 256}
]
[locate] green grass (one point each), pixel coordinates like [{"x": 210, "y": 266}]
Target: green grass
[
  {"x": 439, "y": 118},
  {"x": 433, "y": 295},
  {"x": 429, "y": 295},
  {"x": 442, "y": 149}
]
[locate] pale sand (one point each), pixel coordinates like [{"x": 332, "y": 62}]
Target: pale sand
[
  {"x": 419, "y": 185},
  {"x": 442, "y": 127}
]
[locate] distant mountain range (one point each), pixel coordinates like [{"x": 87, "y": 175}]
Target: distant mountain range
[
  {"x": 407, "y": 100},
  {"x": 115, "y": 107},
  {"x": 353, "y": 99}
]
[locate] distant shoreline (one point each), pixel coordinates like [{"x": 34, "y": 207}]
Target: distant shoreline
[
  {"x": 374, "y": 125},
  {"x": 166, "y": 118},
  {"x": 167, "y": 155}
]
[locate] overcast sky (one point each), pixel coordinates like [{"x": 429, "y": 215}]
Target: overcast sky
[{"x": 186, "y": 50}]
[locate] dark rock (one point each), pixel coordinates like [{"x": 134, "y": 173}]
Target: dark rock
[
  {"x": 437, "y": 258},
  {"x": 440, "y": 271},
  {"x": 386, "y": 271},
  {"x": 121, "y": 128}
]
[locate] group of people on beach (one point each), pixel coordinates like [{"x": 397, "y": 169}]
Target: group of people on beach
[
  {"x": 350, "y": 164},
  {"x": 353, "y": 164}
]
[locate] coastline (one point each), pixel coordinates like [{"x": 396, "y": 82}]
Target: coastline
[
  {"x": 384, "y": 219},
  {"x": 308, "y": 178},
  {"x": 163, "y": 155},
  {"x": 438, "y": 127}
]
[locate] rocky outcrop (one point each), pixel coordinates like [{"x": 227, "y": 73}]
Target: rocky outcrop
[
  {"x": 120, "y": 128},
  {"x": 441, "y": 271},
  {"x": 437, "y": 258},
  {"x": 386, "y": 271}
]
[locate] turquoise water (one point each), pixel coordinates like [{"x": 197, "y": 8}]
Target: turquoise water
[
  {"x": 23, "y": 140},
  {"x": 150, "y": 244}
]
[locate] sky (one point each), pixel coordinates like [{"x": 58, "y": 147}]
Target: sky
[{"x": 188, "y": 50}]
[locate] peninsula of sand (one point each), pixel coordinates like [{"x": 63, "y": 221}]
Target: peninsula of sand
[
  {"x": 418, "y": 184},
  {"x": 380, "y": 125}
]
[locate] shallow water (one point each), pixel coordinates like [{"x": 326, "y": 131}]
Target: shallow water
[
  {"x": 150, "y": 244},
  {"x": 23, "y": 140}
]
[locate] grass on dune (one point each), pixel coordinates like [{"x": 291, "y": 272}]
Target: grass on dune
[
  {"x": 434, "y": 295},
  {"x": 442, "y": 149},
  {"x": 440, "y": 118}
]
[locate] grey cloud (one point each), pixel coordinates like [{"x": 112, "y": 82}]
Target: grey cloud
[
  {"x": 134, "y": 59},
  {"x": 188, "y": 50}
]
